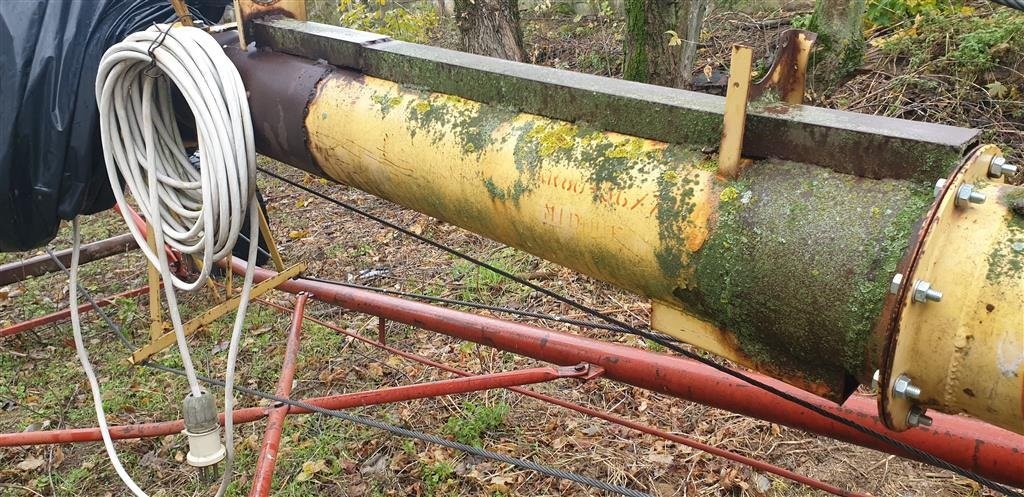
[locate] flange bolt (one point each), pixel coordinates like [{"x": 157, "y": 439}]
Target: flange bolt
[
  {"x": 939, "y": 185},
  {"x": 203, "y": 431},
  {"x": 904, "y": 388},
  {"x": 998, "y": 167},
  {"x": 965, "y": 195},
  {"x": 923, "y": 292},
  {"x": 917, "y": 417},
  {"x": 897, "y": 280}
]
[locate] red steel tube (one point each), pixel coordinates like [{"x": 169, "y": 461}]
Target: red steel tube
[
  {"x": 732, "y": 456},
  {"x": 987, "y": 450},
  {"x": 264, "y": 473},
  {"x": 63, "y": 314},
  {"x": 334, "y": 402}
]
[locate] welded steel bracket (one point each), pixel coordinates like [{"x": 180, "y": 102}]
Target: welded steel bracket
[
  {"x": 246, "y": 11},
  {"x": 786, "y": 78},
  {"x": 167, "y": 339},
  {"x": 734, "y": 121}
]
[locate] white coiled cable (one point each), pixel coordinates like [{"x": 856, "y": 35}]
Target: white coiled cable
[{"x": 198, "y": 212}]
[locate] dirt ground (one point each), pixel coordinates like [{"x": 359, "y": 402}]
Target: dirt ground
[{"x": 43, "y": 386}]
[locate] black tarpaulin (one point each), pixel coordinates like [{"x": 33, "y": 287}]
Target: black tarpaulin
[{"x": 51, "y": 161}]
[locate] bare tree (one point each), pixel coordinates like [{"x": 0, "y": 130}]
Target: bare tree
[
  {"x": 839, "y": 24},
  {"x": 490, "y": 27},
  {"x": 661, "y": 40}
]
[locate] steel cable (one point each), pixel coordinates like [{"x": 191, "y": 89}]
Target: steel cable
[
  {"x": 907, "y": 448},
  {"x": 1013, "y": 4}
]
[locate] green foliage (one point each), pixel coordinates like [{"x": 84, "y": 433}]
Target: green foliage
[
  {"x": 475, "y": 421},
  {"x": 413, "y": 23},
  {"x": 436, "y": 474},
  {"x": 479, "y": 283},
  {"x": 959, "y": 43},
  {"x": 885, "y": 13},
  {"x": 802, "y": 21}
]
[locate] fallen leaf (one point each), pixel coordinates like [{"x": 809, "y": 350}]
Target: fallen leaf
[
  {"x": 298, "y": 234},
  {"x": 996, "y": 89},
  {"x": 310, "y": 468},
  {"x": 31, "y": 463},
  {"x": 58, "y": 457},
  {"x": 374, "y": 370},
  {"x": 656, "y": 458},
  {"x": 674, "y": 39}
]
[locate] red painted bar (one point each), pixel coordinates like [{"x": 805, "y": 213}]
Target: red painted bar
[{"x": 264, "y": 473}]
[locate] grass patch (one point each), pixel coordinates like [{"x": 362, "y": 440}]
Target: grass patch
[{"x": 475, "y": 422}]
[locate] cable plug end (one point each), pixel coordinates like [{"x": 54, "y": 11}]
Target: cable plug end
[{"x": 203, "y": 431}]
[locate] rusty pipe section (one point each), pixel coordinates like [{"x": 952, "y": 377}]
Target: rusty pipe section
[
  {"x": 786, "y": 270},
  {"x": 13, "y": 272}
]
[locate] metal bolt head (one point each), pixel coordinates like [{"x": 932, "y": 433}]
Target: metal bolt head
[
  {"x": 904, "y": 388},
  {"x": 966, "y": 195},
  {"x": 998, "y": 167},
  {"x": 897, "y": 280},
  {"x": 875, "y": 378},
  {"x": 923, "y": 292},
  {"x": 939, "y": 185},
  {"x": 917, "y": 417}
]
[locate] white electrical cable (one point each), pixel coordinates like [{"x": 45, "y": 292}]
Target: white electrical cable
[{"x": 199, "y": 213}]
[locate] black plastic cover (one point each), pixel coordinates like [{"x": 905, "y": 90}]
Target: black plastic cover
[{"x": 51, "y": 160}]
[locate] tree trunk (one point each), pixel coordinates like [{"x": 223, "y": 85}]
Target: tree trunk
[
  {"x": 691, "y": 20},
  {"x": 490, "y": 27},
  {"x": 839, "y": 24},
  {"x": 651, "y": 55}
]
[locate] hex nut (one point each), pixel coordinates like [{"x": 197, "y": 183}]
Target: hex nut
[
  {"x": 917, "y": 417},
  {"x": 998, "y": 167},
  {"x": 897, "y": 280},
  {"x": 923, "y": 292},
  {"x": 966, "y": 195},
  {"x": 939, "y": 185},
  {"x": 904, "y": 388}
]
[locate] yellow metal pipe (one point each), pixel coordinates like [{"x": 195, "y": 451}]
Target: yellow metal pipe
[
  {"x": 785, "y": 269},
  {"x": 447, "y": 157}
]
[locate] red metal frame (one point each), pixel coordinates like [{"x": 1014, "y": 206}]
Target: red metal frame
[
  {"x": 982, "y": 448},
  {"x": 63, "y": 314},
  {"x": 732, "y": 456}
]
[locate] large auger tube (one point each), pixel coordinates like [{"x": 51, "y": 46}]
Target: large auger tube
[{"x": 788, "y": 270}]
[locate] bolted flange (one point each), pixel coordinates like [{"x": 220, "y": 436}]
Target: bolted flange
[
  {"x": 917, "y": 417},
  {"x": 966, "y": 195},
  {"x": 923, "y": 292},
  {"x": 998, "y": 168},
  {"x": 904, "y": 388}
]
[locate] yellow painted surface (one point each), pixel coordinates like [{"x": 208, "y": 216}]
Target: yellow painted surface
[
  {"x": 632, "y": 212},
  {"x": 619, "y": 208},
  {"x": 966, "y": 353}
]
